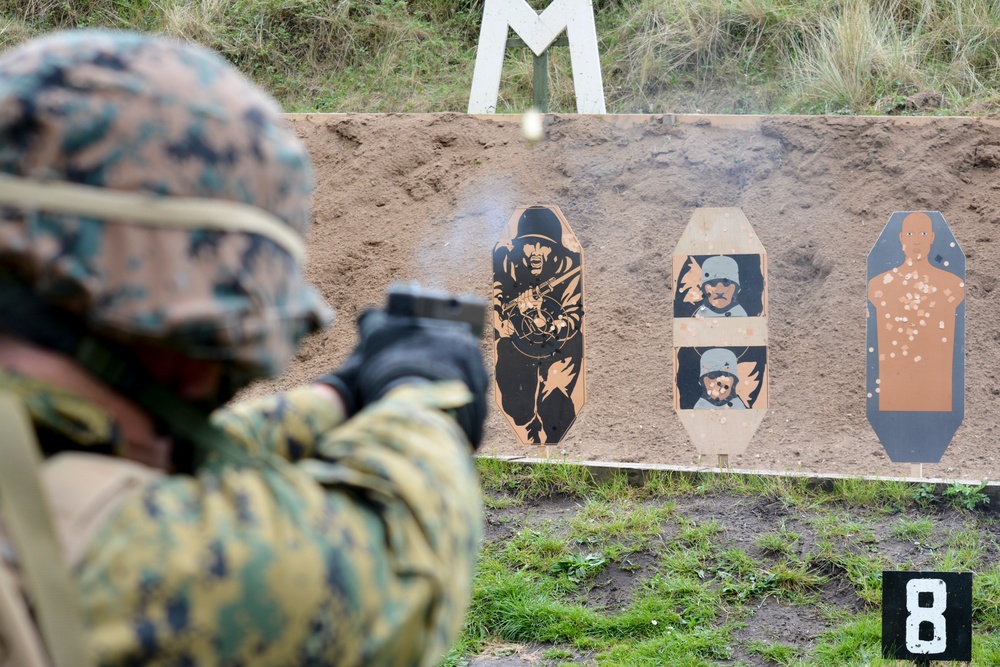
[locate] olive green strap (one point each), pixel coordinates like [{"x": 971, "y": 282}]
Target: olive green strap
[{"x": 29, "y": 520}]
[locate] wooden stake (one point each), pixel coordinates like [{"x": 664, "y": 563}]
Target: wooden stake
[
  {"x": 723, "y": 460},
  {"x": 917, "y": 470},
  {"x": 541, "y": 451}
]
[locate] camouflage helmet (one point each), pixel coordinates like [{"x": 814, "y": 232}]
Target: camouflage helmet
[
  {"x": 718, "y": 360},
  {"x": 720, "y": 268},
  {"x": 150, "y": 190}
]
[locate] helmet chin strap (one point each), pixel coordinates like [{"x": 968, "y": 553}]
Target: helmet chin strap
[{"x": 32, "y": 319}]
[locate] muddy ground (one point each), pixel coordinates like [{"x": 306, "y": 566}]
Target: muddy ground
[{"x": 424, "y": 197}]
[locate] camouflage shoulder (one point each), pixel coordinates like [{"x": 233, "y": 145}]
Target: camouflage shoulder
[{"x": 62, "y": 411}]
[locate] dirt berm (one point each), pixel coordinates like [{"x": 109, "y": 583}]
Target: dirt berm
[{"x": 424, "y": 197}]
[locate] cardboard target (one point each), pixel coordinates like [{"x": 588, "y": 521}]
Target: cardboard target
[
  {"x": 538, "y": 325},
  {"x": 720, "y": 331},
  {"x": 915, "y": 387}
]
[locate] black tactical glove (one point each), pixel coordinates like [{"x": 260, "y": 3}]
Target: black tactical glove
[
  {"x": 399, "y": 350},
  {"x": 345, "y": 381}
]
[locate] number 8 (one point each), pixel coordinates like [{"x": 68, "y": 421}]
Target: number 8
[{"x": 932, "y": 615}]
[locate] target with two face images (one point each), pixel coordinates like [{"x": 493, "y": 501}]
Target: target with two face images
[{"x": 720, "y": 331}]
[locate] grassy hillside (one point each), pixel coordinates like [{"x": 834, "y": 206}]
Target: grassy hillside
[{"x": 712, "y": 56}]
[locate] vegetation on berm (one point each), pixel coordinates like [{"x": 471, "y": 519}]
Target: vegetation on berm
[{"x": 709, "y": 56}]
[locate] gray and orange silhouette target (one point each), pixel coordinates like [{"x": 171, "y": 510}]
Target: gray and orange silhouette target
[
  {"x": 916, "y": 336},
  {"x": 720, "y": 331},
  {"x": 538, "y": 325}
]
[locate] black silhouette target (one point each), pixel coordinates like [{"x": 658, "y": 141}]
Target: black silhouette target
[{"x": 538, "y": 325}]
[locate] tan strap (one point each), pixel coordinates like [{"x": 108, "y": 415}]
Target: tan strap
[
  {"x": 29, "y": 521},
  {"x": 20, "y": 645},
  {"x": 153, "y": 211}
]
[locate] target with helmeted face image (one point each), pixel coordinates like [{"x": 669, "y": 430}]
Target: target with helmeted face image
[
  {"x": 721, "y": 378},
  {"x": 720, "y": 331},
  {"x": 720, "y": 286}
]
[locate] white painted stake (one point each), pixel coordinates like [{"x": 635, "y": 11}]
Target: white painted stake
[{"x": 538, "y": 31}]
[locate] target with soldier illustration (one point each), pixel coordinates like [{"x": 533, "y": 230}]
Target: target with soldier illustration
[
  {"x": 538, "y": 324},
  {"x": 720, "y": 286}
]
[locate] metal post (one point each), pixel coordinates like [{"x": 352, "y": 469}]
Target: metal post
[
  {"x": 540, "y": 83},
  {"x": 540, "y": 76}
]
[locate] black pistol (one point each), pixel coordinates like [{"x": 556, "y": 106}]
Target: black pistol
[{"x": 432, "y": 307}]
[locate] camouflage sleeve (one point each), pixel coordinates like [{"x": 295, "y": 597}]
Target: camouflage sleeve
[
  {"x": 362, "y": 556},
  {"x": 288, "y": 424}
]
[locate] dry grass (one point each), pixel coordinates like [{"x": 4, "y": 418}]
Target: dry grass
[{"x": 854, "y": 57}]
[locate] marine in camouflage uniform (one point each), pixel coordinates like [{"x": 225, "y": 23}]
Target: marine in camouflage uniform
[{"x": 305, "y": 537}]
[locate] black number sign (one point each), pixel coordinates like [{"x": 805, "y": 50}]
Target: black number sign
[{"x": 927, "y": 616}]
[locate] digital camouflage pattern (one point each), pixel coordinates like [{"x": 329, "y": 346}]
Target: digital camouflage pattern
[
  {"x": 260, "y": 563},
  {"x": 145, "y": 114}
]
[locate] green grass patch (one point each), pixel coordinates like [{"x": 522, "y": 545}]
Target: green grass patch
[
  {"x": 698, "y": 575},
  {"x": 783, "y": 542},
  {"x": 963, "y": 552},
  {"x": 841, "y": 526},
  {"x": 602, "y": 520},
  {"x": 913, "y": 530},
  {"x": 855, "y": 643},
  {"x": 779, "y": 654}
]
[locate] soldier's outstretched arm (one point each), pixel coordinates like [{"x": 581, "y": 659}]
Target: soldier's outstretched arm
[
  {"x": 406, "y": 466},
  {"x": 363, "y": 556}
]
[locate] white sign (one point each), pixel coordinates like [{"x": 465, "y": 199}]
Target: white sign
[{"x": 538, "y": 31}]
